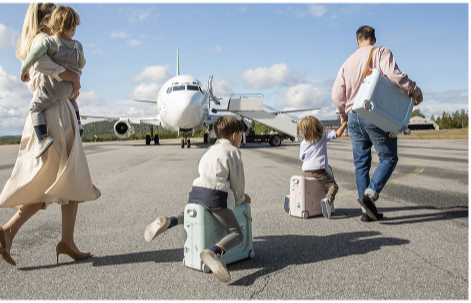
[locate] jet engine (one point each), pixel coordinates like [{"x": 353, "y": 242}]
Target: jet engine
[{"x": 123, "y": 129}]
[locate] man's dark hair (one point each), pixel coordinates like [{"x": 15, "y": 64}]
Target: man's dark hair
[{"x": 366, "y": 33}]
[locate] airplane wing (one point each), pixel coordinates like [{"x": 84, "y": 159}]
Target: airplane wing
[
  {"x": 145, "y": 120},
  {"x": 211, "y": 119}
]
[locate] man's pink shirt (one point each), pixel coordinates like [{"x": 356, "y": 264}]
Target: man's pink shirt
[{"x": 351, "y": 73}]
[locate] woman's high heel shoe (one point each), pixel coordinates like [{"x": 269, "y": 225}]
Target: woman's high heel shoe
[
  {"x": 63, "y": 248},
  {"x": 3, "y": 252}
]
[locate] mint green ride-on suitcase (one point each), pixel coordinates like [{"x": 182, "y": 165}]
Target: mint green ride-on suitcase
[{"x": 202, "y": 231}]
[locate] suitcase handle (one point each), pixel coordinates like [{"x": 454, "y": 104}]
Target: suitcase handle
[{"x": 247, "y": 215}]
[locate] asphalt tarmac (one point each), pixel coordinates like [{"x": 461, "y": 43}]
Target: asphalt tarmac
[{"x": 418, "y": 252}]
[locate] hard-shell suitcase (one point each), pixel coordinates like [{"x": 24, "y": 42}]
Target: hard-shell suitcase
[
  {"x": 202, "y": 231},
  {"x": 305, "y": 196},
  {"x": 384, "y": 104}
]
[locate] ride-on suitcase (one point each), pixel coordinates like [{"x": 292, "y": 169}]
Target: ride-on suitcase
[
  {"x": 384, "y": 104},
  {"x": 202, "y": 231},
  {"x": 305, "y": 196}
]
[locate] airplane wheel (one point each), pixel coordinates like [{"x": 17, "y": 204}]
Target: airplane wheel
[
  {"x": 183, "y": 143},
  {"x": 205, "y": 138},
  {"x": 156, "y": 139},
  {"x": 147, "y": 140},
  {"x": 188, "y": 143}
]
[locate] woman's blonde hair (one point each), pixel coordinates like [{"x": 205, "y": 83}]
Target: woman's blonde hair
[
  {"x": 310, "y": 128},
  {"x": 36, "y": 19},
  {"x": 63, "y": 19}
]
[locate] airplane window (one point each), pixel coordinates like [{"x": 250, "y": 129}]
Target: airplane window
[
  {"x": 179, "y": 87},
  {"x": 192, "y": 87}
]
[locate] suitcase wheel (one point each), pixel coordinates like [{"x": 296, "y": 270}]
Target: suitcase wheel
[
  {"x": 251, "y": 254},
  {"x": 205, "y": 268},
  {"x": 305, "y": 215},
  {"x": 183, "y": 261}
]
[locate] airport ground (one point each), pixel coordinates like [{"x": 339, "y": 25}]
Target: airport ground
[{"x": 418, "y": 252}]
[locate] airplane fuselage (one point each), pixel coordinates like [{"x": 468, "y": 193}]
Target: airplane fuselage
[{"x": 183, "y": 103}]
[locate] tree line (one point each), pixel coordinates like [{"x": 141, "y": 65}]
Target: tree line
[{"x": 447, "y": 121}]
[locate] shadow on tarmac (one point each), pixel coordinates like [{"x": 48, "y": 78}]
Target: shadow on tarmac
[
  {"x": 274, "y": 253},
  {"x": 158, "y": 256},
  {"x": 390, "y": 218}
]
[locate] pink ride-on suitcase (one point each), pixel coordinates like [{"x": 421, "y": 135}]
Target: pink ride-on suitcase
[
  {"x": 305, "y": 196},
  {"x": 384, "y": 104}
]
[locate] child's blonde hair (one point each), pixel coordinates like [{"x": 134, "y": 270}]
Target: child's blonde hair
[
  {"x": 310, "y": 128},
  {"x": 225, "y": 126},
  {"x": 63, "y": 19},
  {"x": 36, "y": 19}
]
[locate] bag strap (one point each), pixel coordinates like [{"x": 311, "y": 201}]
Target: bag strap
[{"x": 368, "y": 63}]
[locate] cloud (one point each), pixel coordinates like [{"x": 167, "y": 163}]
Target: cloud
[
  {"x": 156, "y": 73},
  {"x": 242, "y": 9},
  {"x": 97, "y": 51},
  {"x": 14, "y": 104},
  {"x": 90, "y": 98},
  {"x": 304, "y": 95},
  {"x": 140, "y": 14},
  {"x": 217, "y": 49},
  {"x": 317, "y": 10},
  {"x": 148, "y": 91},
  {"x": 222, "y": 87},
  {"x": 266, "y": 77},
  {"x": 435, "y": 103},
  {"x": 133, "y": 42},
  {"x": 8, "y": 37},
  {"x": 120, "y": 35}
]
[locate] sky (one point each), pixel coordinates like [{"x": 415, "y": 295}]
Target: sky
[{"x": 291, "y": 53}]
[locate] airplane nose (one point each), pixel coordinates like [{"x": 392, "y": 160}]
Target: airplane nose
[{"x": 191, "y": 111}]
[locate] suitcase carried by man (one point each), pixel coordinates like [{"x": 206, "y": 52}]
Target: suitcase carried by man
[
  {"x": 202, "y": 231},
  {"x": 384, "y": 104},
  {"x": 305, "y": 196}
]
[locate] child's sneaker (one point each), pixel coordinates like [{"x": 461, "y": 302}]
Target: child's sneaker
[
  {"x": 216, "y": 265},
  {"x": 43, "y": 146},
  {"x": 156, "y": 228},
  {"x": 80, "y": 128},
  {"x": 326, "y": 207}
]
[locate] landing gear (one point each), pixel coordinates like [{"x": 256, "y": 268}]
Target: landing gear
[
  {"x": 185, "y": 141},
  {"x": 149, "y": 137}
]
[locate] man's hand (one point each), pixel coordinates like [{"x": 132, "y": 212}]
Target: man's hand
[
  {"x": 25, "y": 77},
  {"x": 418, "y": 99}
]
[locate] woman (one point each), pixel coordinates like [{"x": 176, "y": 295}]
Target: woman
[{"x": 61, "y": 175}]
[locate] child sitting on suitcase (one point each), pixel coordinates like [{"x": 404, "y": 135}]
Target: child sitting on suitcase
[
  {"x": 219, "y": 188},
  {"x": 313, "y": 153}
]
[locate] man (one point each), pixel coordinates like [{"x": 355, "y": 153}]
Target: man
[{"x": 363, "y": 134}]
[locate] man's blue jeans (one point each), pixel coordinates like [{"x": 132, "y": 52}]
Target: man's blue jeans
[{"x": 364, "y": 135}]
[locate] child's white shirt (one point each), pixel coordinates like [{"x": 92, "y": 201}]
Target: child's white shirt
[
  {"x": 221, "y": 168},
  {"x": 314, "y": 155}
]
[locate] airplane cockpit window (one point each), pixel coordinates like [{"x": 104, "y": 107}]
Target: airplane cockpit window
[
  {"x": 192, "y": 87},
  {"x": 178, "y": 87}
]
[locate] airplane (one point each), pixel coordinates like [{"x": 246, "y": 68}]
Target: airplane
[{"x": 183, "y": 104}]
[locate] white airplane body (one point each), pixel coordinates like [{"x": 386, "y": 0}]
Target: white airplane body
[{"x": 183, "y": 105}]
